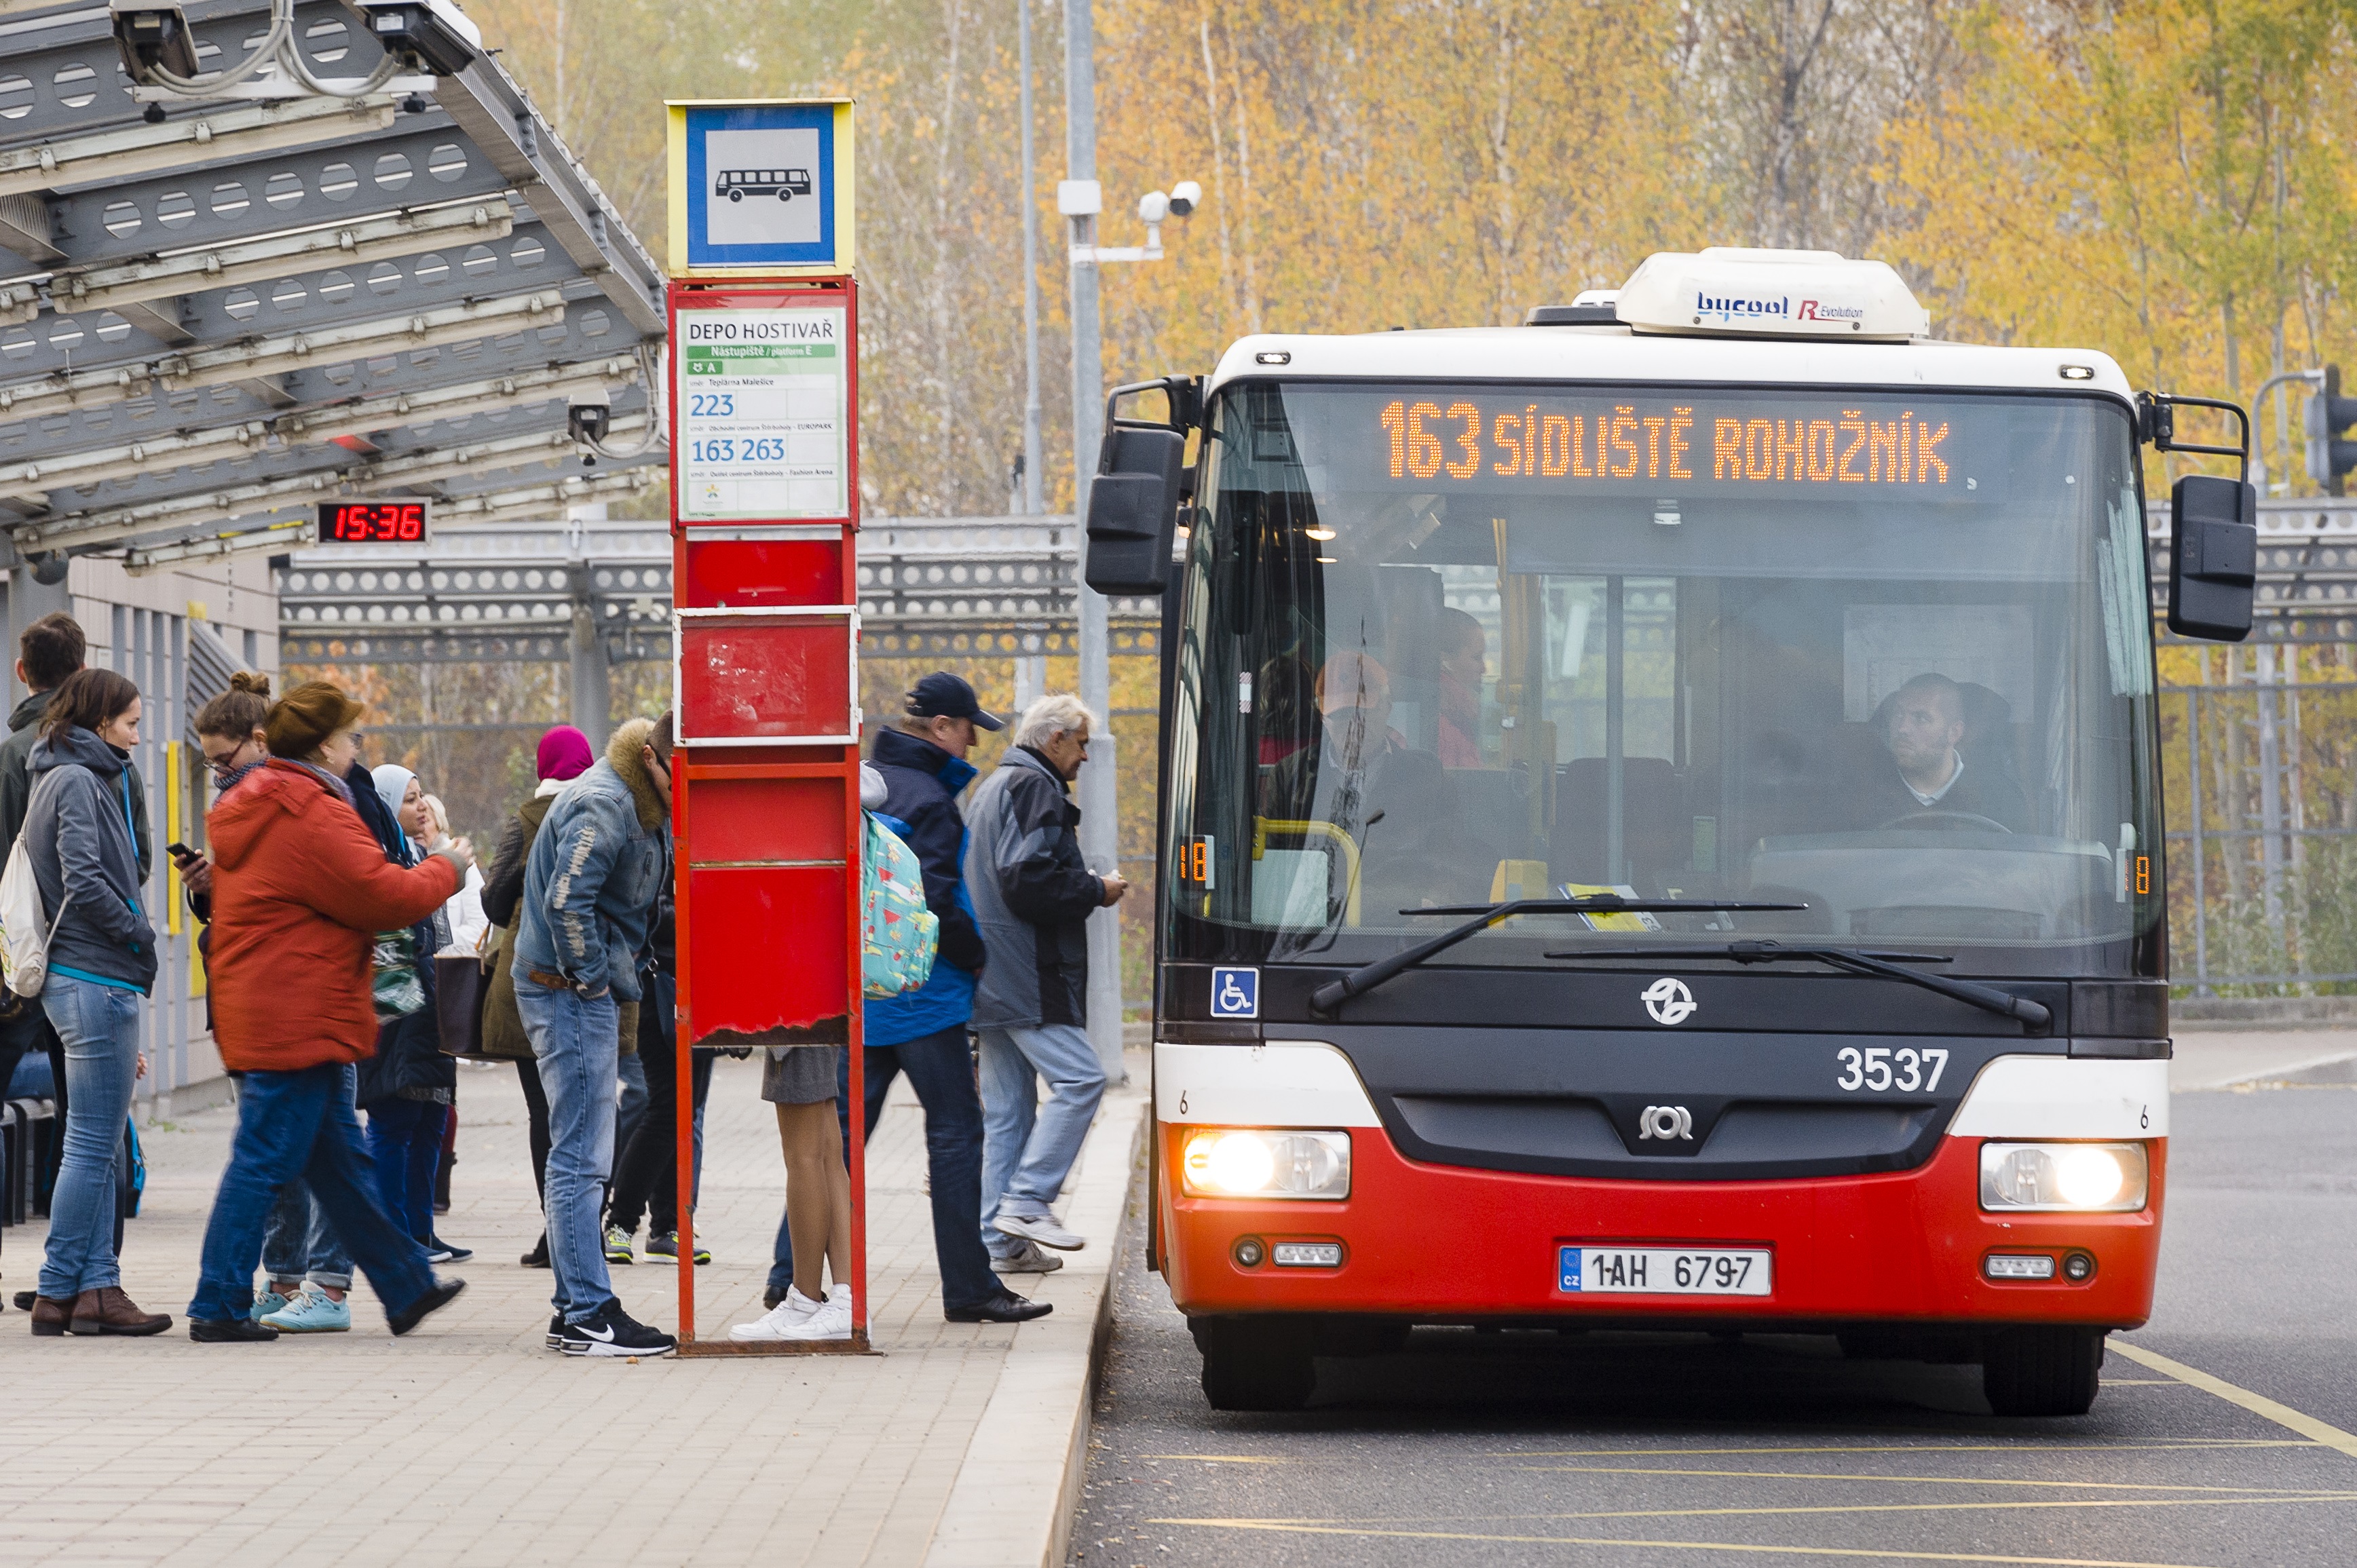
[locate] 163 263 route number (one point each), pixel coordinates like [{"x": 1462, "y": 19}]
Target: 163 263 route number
[{"x": 730, "y": 450}]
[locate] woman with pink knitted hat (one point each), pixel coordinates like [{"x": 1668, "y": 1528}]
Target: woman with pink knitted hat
[{"x": 564, "y": 755}]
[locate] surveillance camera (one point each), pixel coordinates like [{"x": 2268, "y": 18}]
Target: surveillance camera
[
  {"x": 49, "y": 570},
  {"x": 1153, "y": 207},
  {"x": 587, "y": 416},
  {"x": 434, "y": 34},
  {"x": 151, "y": 34},
  {"x": 1185, "y": 197}
]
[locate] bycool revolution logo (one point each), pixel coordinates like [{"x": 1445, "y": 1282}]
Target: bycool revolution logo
[
  {"x": 1743, "y": 307},
  {"x": 1668, "y": 1000}
]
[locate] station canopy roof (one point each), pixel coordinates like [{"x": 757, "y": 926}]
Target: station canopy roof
[{"x": 224, "y": 305}]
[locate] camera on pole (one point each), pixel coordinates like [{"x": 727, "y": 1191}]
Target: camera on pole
[{"x": 2330, "y": 458}]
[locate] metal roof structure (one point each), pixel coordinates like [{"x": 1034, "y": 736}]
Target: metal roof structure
[
  {"x": 217, "y": 312},
  {"x": 975, "y": 586},
  {"x": 2306, "y": 569}
]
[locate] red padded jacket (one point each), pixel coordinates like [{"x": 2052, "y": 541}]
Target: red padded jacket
[{"x": 300, "y": 889}]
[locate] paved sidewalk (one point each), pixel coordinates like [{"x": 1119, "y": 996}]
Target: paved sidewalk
[
  {"x": 468, "y": 1443},
  {"x": 2217, "y": 1058}
]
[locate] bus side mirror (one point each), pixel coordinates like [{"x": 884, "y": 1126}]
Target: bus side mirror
[
  {"x": 1133, "y": 509},
  {"x": 2213, "y": 558}
]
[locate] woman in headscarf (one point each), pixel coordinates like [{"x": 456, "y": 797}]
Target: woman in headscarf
[{"x": 406, "y": 1088}]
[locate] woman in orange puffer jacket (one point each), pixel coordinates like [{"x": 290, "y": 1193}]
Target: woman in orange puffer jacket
[{"x": 300, "y": 889}]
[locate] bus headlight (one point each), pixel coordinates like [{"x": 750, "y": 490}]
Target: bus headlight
[
  {"x": 2108, "y": 1178},
  {"x": 1250, "y": 1162}
]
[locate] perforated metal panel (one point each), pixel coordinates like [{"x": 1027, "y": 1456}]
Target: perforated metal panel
[{"x": 211, "y": 324}]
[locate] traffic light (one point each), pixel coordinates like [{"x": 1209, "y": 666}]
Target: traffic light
[{"x": 2329, "y": 414}]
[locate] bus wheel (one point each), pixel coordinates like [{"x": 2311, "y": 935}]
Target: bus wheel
[
  {"x": 1250, "y": 1364},
  {"x": 736, "y": 196},
  {"x": 2042, "y": 1370}
]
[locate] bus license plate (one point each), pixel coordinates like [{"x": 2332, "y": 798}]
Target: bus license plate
[{"x": 1664, "y": 1271}]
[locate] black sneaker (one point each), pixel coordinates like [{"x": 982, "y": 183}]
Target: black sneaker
[
  {"x": 25, "y": 1299},
  {"x": 614, "y": 1332},
  {"x": 1003, "y": 1308},
  {"x": 557, "y": 1331},
  {"x": 229, "y": 1331},
  {"x": 438, "y": 1250},
  {"x": 443, "y": 1293},
  {"x": 538, "y": 1257}
]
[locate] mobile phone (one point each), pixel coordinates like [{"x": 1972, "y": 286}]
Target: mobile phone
[{"x": 181, "y": 850}]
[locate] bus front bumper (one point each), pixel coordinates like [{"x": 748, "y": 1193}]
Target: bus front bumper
[{"x": 1440, "y": 1244}]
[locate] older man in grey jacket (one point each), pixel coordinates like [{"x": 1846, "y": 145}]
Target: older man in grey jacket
[{"x": 1032, "y": 897}]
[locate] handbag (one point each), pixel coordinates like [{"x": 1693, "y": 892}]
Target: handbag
[
  {"x": 393, "y": 976},
  {"x": 460, "y": 987}
]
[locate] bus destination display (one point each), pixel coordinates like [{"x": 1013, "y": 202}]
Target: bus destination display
[
  {"x": 1624, "y": 442},
  {"x": 373, "y": 523}
]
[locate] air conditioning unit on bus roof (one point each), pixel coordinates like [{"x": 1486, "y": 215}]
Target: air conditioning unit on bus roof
[{"x": 1739, "y": 291}]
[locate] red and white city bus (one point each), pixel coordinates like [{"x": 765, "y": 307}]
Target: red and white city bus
[{"x": 1661, "y": 828}]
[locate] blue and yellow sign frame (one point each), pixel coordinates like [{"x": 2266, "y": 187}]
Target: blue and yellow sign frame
[{"x": 702, "y": 136}]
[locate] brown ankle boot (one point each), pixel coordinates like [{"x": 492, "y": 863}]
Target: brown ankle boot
[
  {"x": 109, "y": 1311},
  {"x": 51, "y": 1315}
]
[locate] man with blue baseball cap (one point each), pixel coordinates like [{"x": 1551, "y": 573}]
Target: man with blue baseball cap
[{"x": 923, "y": 1034}]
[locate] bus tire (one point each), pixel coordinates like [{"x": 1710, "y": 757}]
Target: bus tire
[
  {"x": 2042, "y": 1370},
  {"x": 1253, "y": 1365},
  {"x": 736, "y": 196}
]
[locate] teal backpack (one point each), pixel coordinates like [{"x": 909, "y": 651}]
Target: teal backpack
[{"x": 900, "y": 934}]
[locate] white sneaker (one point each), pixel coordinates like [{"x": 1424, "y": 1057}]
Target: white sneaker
[
  {"x": 790, "y": 1313},
  {"x": 1027, "y": 1259},
  {"x": 1044, "y": 1229},
  {"x": 830, "y": 1321}
]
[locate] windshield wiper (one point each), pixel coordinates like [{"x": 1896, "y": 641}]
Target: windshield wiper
[
  {"x": 1365, "y": 978},
  {"x": 1855, "y": 961}
]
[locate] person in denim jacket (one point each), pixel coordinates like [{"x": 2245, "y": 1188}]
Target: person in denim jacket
[{"x": 597, "y": 864}]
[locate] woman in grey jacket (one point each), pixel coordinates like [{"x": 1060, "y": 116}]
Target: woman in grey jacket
[{"x": 79, "y": 837}]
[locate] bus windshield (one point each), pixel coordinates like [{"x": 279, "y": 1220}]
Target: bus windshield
[{"x": 1881, "y": 653}]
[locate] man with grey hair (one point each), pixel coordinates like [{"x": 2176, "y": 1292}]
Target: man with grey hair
[{"x": 1032, "y": 898}]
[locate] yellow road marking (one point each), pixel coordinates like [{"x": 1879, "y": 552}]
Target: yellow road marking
[
  {"x": 1903, "y": 1480},
  {"x": 2283, "y": 1415},
  {"x": 1879, "y": 1555},
  {"x": 1883, "y": 1508},
  {"x": 1221, "y": 1458}
]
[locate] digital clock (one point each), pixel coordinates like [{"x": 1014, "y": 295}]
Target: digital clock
[{"x": 374, "y": 522}]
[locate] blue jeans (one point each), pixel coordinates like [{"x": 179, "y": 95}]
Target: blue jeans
[
  {"x": 100, "y": 1027},
  {"x": 1027, "y": 1150},
  {"x": 293, "y": 1125},
  {"x": 940, "y": 1070},
  {"x": 298, "y": 1242},
  {"x": 574, "y": 1040},
  {"x": 405, "y": 1142}
]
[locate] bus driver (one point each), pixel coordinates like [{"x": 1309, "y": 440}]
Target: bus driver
[{"x": 1929, "y": 775}]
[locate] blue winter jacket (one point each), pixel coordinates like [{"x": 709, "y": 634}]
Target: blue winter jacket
[
  {"x": 924, "y": 782},
  {"x": 597, "y": 866}
]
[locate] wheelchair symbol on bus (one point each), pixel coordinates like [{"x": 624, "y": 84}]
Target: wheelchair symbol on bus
[{"x": 1236, "y": 993}]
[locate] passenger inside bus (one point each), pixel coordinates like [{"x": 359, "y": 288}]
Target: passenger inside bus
[
  {"x": 1931, "y": 779},
  {"x": 1464, "y": 664}
]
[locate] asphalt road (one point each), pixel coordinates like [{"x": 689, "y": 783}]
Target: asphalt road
[{"x": 1677, "y": 1450}]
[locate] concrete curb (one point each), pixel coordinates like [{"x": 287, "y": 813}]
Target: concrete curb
[{"x": 1011, "y": 1505}]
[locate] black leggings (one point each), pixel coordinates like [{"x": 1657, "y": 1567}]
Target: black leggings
[
  {"x": 647, "y": 1175},
  {"x": 535, "y": 1101}
]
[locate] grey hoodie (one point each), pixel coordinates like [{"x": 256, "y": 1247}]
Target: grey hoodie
[{"x": 78, "y": 831}]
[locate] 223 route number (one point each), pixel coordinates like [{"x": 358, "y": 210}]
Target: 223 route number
[
  {"x": 712, "y": 405},
  {"x": 1879, "y": 1068}
]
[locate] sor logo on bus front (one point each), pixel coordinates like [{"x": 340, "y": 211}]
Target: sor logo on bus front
[{"x": 1668, "y": 1000}]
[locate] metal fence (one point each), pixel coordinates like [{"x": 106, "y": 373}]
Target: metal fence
[{"x": 2260, "y": 764}]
